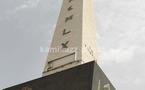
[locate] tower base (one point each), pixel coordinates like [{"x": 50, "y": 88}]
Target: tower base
[{"x": 88, "y": 76}]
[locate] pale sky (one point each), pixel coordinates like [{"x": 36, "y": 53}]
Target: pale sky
[{"x": 27, "y": 25}]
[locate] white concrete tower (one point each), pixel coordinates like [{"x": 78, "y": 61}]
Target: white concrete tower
[{"x": 74, "y": 40}]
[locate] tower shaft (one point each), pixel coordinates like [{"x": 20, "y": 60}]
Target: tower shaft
[{"x": 74, "y": 40}]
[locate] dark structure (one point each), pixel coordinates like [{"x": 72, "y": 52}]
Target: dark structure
[{"x": 88, "y": 76}]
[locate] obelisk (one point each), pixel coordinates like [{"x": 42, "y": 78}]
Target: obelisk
[
  {"x": 72, "y": 58},
  {"x": 74, "y": 40}
]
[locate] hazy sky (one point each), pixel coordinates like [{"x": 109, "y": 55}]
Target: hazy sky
[{"x": 27, "y": 25}]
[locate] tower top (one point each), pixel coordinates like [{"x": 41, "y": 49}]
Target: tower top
[{"x": 74, "y": 40}]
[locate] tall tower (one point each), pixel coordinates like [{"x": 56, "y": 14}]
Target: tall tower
[
  {"x": 71, "y": 62},
  {"x": 74, "y": 40}
]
